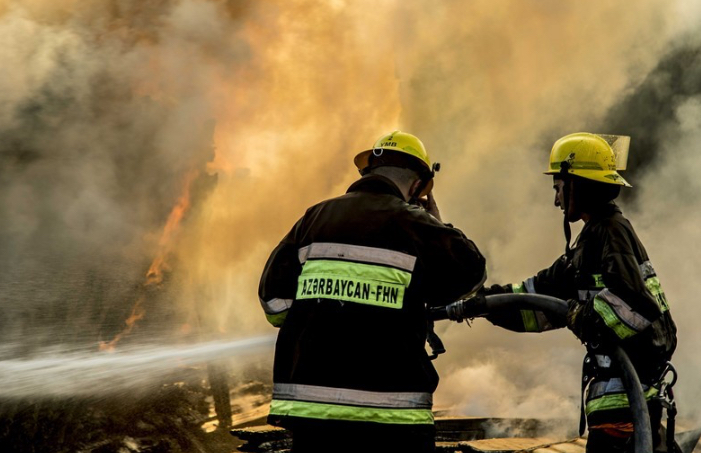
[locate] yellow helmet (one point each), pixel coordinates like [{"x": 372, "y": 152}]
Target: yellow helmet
[
  {"x": 395, "y": 141},
  {"x": 404, "y": 143},
  {"x": 586, "y": 155}
]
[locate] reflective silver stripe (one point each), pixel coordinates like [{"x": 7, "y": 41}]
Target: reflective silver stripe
[
  {"x": 586, "y": 294},
  {"x": 647, "y": 270},
  {"x": 529, "y": 283},
  {"x": 613, "y": 385},
  {"x": 358, "y": 253},
  {"x": 318, "y": 394},
  {"x": 624, "y": 311},
  {"x": 275, "y": 306},
  {"x": 543, "y": 322},
  {"x": 541, "y": 319},
  {"x": 603, "y": 361},
  {"x": 582, "y": 294}
]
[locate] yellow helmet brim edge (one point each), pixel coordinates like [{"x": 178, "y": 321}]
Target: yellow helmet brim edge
[{"x": 607, "y": 177}]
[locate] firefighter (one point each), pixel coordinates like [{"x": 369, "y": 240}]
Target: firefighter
[
  {"x": 349, "y": 287},
  {"x": 613, "y": 292}
]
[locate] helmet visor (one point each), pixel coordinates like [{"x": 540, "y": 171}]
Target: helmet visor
[{"x": 620, "y": 145}]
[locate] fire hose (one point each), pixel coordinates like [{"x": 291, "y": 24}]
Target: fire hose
[{"x": 464, "y": 309}]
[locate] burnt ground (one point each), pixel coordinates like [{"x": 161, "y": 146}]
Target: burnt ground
[{"x": 166, "y": 419}]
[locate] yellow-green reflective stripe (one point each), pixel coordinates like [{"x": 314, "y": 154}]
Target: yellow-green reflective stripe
[
  {"x": 530, "y": 323},
  {"x": 598, "y": 281},
  {"x": 518, "y": 288},
  {"x": 578, "y": 166},
  {"x": 653, "y": 285},
  {"x": 614, "y": 401},
  {"x": 277, "y": 319},
  {"x": 354, "y": 282},
  {"x": 611, "y": 319},
  {"x": 351, "y": 413}
]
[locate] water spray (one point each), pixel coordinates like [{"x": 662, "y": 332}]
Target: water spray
[{"x": 92, "y": 373}]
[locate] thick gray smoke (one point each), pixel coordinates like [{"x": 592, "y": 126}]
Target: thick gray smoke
[{"x": 98, "y": 135}]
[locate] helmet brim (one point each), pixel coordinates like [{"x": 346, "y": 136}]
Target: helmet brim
[
  {"x": 606, "y": 177},
  {"x": 362, "y": 160}
]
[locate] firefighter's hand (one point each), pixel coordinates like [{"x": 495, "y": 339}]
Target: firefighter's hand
[
  {"x": 467, "y": 308},
  {"x": 429, "y": 204}
]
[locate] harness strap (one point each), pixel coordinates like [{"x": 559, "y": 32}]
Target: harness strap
[{"x": 434, "y": 341}]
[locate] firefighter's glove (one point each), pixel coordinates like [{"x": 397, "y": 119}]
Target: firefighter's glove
[
  {"x": 468, "y": 308},
  {"x": 575, "y": 318}
]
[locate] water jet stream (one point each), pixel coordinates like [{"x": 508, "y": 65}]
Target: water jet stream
[{"x": 91, "y": 373}]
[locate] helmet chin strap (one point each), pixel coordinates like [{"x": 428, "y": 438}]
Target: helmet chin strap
[{"x": 564, "y": 166}]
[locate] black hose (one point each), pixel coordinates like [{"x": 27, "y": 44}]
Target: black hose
[
  {"x": 496, "y": 303},
  {"x": 642, "y": 431}
]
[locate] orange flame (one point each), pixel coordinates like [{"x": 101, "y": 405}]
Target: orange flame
[
  {"x": 158, "y": 265},
  {"x": 154, "y": 276},
  {"x": 137, "y": 312}
]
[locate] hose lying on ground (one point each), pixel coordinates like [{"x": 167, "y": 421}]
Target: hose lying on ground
[{"x": 496, "y": 303}]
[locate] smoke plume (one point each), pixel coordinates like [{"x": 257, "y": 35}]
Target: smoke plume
[{"x": 109, "y": 106}]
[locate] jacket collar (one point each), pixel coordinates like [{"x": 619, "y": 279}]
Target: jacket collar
[
  {"x": 376, "y": 184},
  {"x": 604, "y": 211}
]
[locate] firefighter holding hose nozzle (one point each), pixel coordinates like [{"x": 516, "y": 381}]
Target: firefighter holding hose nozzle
[{"x": 613, "y": 292}]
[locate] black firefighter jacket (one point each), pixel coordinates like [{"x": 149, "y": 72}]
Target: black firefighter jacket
[
  {"x": 620, "y": 300},
  {"x": 348, "y": 287}
]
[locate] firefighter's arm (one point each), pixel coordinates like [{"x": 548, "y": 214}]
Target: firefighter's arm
[
  {"x": 278, "y": 284},
  {"x": 453, "y": 264},
  {"x": 625, "y": 306},
  {"x": 549, "y": 282}
]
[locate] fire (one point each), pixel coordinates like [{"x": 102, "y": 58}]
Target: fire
[
  {"x": 137, "y": 312},
  {"x": 155, "y": 273},
  {"x": 159, "y": 264}
]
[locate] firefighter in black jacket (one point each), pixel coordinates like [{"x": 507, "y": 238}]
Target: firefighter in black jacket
[
  {"x": 610, "y": 283},
  {"x": 349, "y": 288}
]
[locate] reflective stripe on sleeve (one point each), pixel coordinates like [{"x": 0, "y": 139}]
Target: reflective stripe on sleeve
[
  {"x": 325, "y": 411},
  {"x": 357, "y": 253},
  {"x": 518, "y": 288},
  {"x": 647, "y": 271},
  {"x": 530, "y": 323},
  {"x": 533, "y": 320},
  {"x": 585, "y": 295},
  {"x": 598, "y": 281},
  {"x": 529, "y": 283},
  {"x": 275, "y": 306},
  {"x": 277, "y": 320},
  {"x": 652, "y": 283},
  {"x": 618, "y": 315},
  {"x": 352, "y": 397}
]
